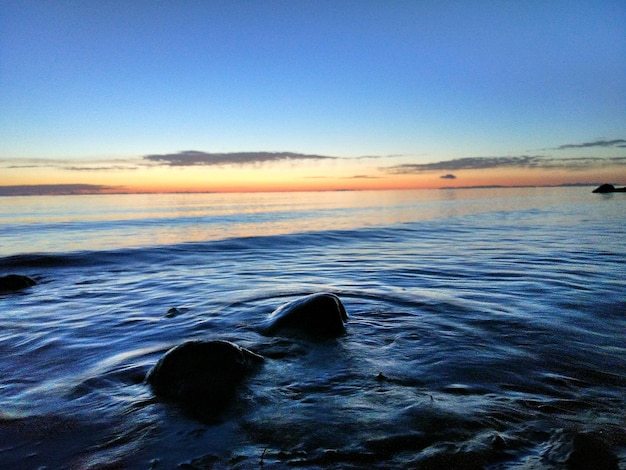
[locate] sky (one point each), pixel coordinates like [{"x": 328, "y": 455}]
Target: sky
[{"x": 117, "y": 96}]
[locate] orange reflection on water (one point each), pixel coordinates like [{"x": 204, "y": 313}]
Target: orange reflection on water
[{"x": 101, "y": 222}]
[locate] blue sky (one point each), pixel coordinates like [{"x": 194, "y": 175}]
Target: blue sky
[{"x": 426, "y": 80}]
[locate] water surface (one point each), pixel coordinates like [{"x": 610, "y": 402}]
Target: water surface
[{"x": 486, "y": 328}]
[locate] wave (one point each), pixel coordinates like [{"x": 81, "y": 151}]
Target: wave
[{"x": 234, "y": 245}]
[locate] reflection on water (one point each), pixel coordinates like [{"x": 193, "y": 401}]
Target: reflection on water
[{"x": 104, "y": 222}]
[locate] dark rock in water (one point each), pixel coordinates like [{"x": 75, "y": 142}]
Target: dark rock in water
[
  {"x": 471, "y": 460},
  {"x": 15, "y": 282},
  {"x": 320, "y": 315},
  {"x": 202, "y": 376},
  {"x": 588, "y": 451},
  {"x": 174, "y": 312},
  {"x": 608, "y": 188},
  {"x": 604, "y": 188}
]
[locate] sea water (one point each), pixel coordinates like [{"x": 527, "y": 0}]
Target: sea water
[{"x": 487, "y": 328}]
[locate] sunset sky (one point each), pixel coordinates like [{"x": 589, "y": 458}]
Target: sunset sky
[{"x": 307, "y": 95}]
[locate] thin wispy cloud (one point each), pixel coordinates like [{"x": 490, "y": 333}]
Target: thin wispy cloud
[
  {"x": 22, "y": 163},
  {"x": 396, "y": 155},
  {"x": 582, "y": 163},
  {"x": 618, "y": 143},
  {"x": 18, "y": 167},
  {"x": 71, "y": 165},
  {"x": 470, "y": 163},
  {"x": 522, "y": 162},
  {"x": 100, "y": 168},
  {"x": 362, "y": 177},
  {"x": 354, "y": 177},
  {"x": 197, "y": 158}
]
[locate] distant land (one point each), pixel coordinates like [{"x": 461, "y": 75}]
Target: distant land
[
  {"x": 494, "y": 186},
  {"x": 58, "y": 189},
  {"x": 95, "y": 189}
]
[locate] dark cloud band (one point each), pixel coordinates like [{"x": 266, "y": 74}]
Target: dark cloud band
[
  {"x": 196, "y": 158},
  {"x": 523, "y": 162},
  {"x": 620, "y": 143},
  {"x": 465, "y": 164}
]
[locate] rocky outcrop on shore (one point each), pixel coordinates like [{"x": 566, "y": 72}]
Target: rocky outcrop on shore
[{"x": 608, "y": 188}]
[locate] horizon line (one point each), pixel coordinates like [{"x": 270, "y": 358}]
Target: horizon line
[{"x": 98, "y": 190}]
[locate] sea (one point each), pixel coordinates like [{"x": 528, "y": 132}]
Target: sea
[{"x": 487, "y": 329}]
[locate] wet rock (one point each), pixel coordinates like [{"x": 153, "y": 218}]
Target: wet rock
[
  {"x": 608, "y": 188},
  {"x": 319, "y": 315},
  {"x": 174, "y": 312},
  {"x": 202, "y": 376},
  {"x": 588, "y": 451},
  {"x": 394, "y": 444},
  {"x": 498, "y": 442},
  {"x": 335, "y": 459},
  {"x": 460, "y": 460},
  {"x": 381, "y": 377},
  {"x": 15, "y": 282}
]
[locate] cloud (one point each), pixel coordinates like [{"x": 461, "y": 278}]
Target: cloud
[
  {"x": 355, "y": 177},
  {"x": 17, "y": 167},
  {"x": 471, "y": 163},
  {"x": 71, "y": 165},
  {"x": 362, "y": 177},
  {"x": 20, "y": 163},
  {"x": 449, "y": 176},
  {"x": 395, "y": 155},
  {"x": 581, "y": 163},
  {"x": 56, "y": 189},
  {"x": 620, "y": 143},
  {"x": 100, "y": 168},
  {"x": 197, "y": 158},
  {"x": 522, "y": 162},
  {"x": 189, "y": 158}
]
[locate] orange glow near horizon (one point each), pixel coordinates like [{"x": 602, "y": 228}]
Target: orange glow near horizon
[
  {"x": 282, "y": 177},
  {"x": 391, "y": 182}
]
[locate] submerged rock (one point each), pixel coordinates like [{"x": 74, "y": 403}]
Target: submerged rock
[
  {"x": 319, "y": 315},
  {"x": 608, "y": 188},
  {"x": 15, "y": 282},
  {"x": 202, "y": 376}
]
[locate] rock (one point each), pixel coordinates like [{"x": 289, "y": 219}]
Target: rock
[
  {"x": 608, "y": 188},
  {"x": 588, "y": 451},
  {"x": 174, "y": 312},
  {"x": 15, "y": 282},
  {"x": 319, "y": 315},
  {"x": 470, "y": 460},
  {"x": 202, "y": 376}
]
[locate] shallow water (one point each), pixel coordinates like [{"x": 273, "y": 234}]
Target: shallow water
[{"x": 486, "y": 329}]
